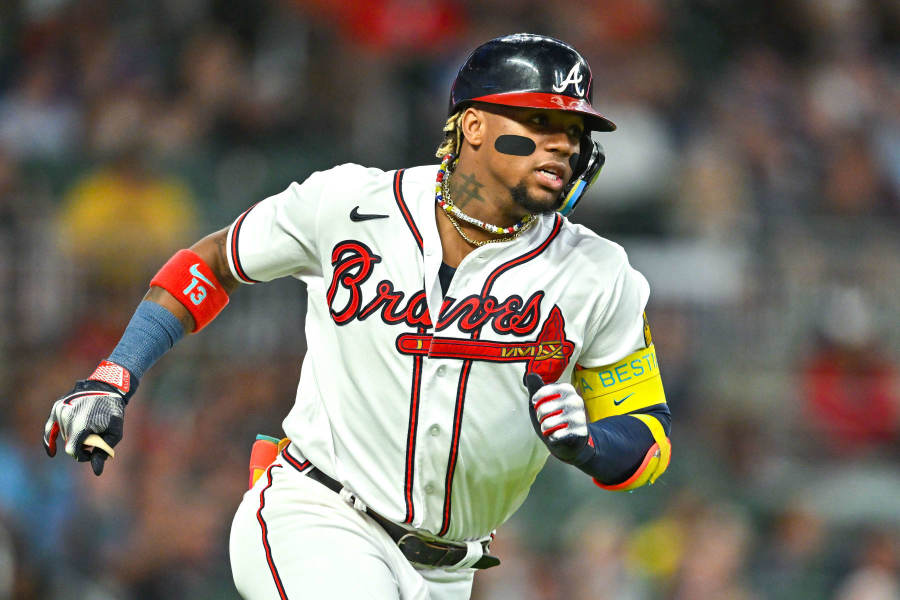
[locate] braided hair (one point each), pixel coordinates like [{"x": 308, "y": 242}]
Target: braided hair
[{"x": 452, "y": 136}]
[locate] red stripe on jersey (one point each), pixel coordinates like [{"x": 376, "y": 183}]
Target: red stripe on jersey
[
  {"x": 404, "y": 209},
  {"x": 415, "y": 387},
  {"x": 416, "y": 383},
  {"x": 454, "y": 445},
  {"x": 235, "y": 259},
  {"x": 265, "y": 536},
  {"x": 467, "y": 366}
]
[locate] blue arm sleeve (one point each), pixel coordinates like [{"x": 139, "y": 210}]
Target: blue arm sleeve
[
  {"x": 620, "y": 444},
  {"x": 152, "y": 332}
]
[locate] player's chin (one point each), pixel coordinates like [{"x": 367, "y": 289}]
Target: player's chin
[{"x": 536, "y": 199}]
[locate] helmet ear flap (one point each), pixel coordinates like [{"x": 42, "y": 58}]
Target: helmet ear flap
[{"x": 591, "y": 159}]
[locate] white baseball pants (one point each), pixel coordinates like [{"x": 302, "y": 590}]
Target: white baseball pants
[{"x": 293, "y": 538}]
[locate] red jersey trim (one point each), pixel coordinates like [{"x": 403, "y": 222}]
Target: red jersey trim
[
  {"x": 276, "y": 578},
  {"x": 416, "y": 383},
  {"x": 404, "y": 208},
  {"x": 235, "y": 258}
]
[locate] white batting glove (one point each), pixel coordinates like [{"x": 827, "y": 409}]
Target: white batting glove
[
  {"x": 559, "y": 417},
  {"x": 93, "y": 406}
]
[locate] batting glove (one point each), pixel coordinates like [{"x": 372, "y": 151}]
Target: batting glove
[
  {"x": 560, "y": 419},
  {"x": 95, "y": 405}
]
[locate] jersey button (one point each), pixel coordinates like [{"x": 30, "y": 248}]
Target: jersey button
[
  {"x": 429, "y": 489},
  {"x": 441, "y": 370},
  {"x": 434, "y": 430}
]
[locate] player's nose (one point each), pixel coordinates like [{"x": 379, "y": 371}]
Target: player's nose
[{"x": 560, "y": 142}]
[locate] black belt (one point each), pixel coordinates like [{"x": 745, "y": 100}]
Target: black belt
[{"x": 414, "y": 548}]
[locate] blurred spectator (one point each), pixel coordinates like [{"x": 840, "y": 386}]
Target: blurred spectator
[
  {"x": 875, "y": 576},
  {"x": 122, "y": 220},
  {"x": 597, "y": 567},
  {"x": 714, "y": 561},
  {"x": 38, "y": 120},
  {"x": 40, "y": 497},
  {"x": 11, "y": 242},
  {"x": 394, "y": 26},
  {"x": 849, "y": 381},
  {"x": 520, "y": 578},
  {"x": 8, "y": 561},
  {"x": 854, "y": 186},
  {"x": 794, "y": 563},
  {"x": 714, "y": 195}
]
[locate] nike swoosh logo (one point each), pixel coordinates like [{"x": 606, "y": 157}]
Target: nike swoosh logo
[
  {"x": 195, "y": 271},
  {"x": 357, "y": 216},
  {"x": 621, "y": 400}
]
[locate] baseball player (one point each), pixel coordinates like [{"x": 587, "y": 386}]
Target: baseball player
[{"x": 460, "y": 330}]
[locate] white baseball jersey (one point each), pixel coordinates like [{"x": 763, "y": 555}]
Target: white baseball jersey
[{"x": 413, "y": 400}]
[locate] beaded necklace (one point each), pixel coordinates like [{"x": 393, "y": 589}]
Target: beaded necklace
[
  {"x": 442, "y": 197},
  {"x": 480, "y": 243}
]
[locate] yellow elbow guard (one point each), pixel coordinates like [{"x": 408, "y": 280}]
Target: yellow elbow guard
[{"x": 655, "y": 462}]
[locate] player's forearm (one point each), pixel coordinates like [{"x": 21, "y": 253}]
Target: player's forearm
[
  {"x": 189, "y": 280},
  {"x": 620, "y": 444},
  {"x": 212, "y": 250}
]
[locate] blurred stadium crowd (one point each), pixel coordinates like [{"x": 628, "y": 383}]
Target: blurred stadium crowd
[{"x": 754, "y": 178}]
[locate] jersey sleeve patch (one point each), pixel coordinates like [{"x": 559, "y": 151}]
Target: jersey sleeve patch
[{"x": 628, "y": 385}]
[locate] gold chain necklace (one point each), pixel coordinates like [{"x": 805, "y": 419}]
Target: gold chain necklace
[{"x": 480, "y": 243}]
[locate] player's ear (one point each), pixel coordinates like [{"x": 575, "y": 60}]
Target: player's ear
[{"x": 472, "y": 124}]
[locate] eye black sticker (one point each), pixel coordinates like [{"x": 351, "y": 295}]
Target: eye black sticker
[{"x": 516, "y": 145}]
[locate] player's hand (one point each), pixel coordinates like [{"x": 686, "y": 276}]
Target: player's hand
[
  {"x": 92, "y": 407},
  {"x": 559, "y": 417}
]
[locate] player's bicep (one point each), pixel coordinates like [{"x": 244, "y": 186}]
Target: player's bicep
[
  {"x": 212, "y": 249},
  {"x": 615, "y": 327}
]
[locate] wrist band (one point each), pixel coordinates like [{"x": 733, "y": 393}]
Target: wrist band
[{"x": 190, "y": 280}]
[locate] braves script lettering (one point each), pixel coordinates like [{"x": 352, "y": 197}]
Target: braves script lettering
[
  {"x": 547, "y": 355},
  {"x": 354, "y": 263}
]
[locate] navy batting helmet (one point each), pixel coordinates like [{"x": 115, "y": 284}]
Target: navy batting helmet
[
  {"x": 529, "y": 71},
  {"x": 536, "y": 71}
]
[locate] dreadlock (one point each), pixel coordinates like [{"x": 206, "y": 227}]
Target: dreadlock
[{"x": 452, "y": 136}]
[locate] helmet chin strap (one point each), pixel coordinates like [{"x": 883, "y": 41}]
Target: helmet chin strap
[{"x": 573, "y": 162}]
